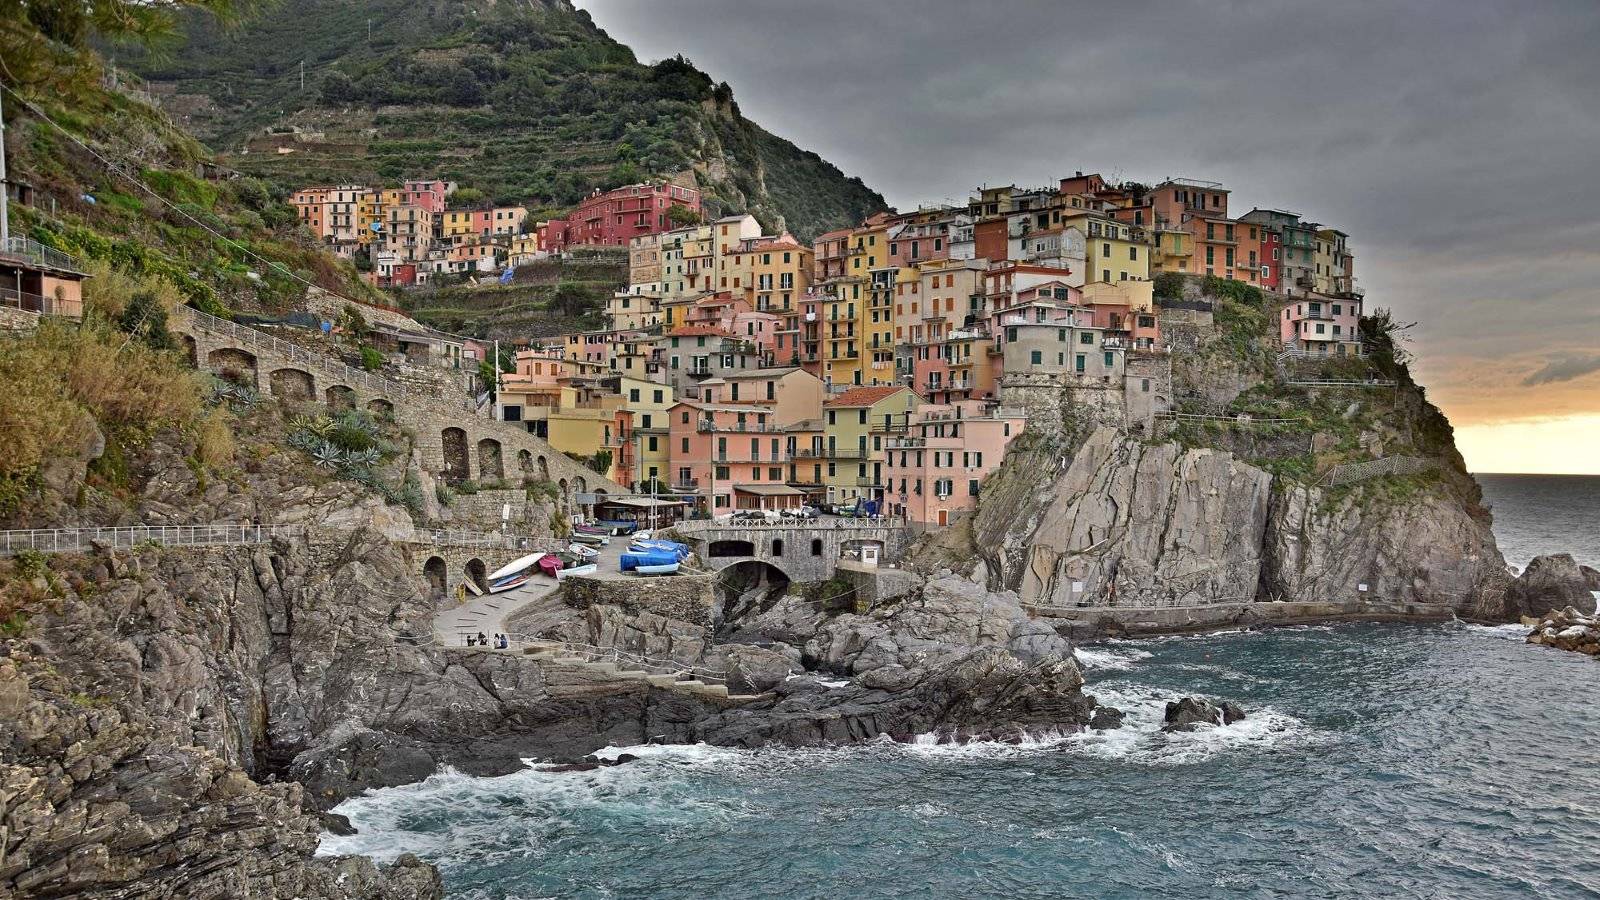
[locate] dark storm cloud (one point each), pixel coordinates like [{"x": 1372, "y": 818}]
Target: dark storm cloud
[
  {"x": 1564, "y": 369},
  {"x": 1457, "y": 142}
]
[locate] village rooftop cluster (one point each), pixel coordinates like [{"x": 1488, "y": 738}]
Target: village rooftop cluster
[{"x": 878, "y": 369}]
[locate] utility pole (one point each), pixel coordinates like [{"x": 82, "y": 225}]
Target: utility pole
[
  {"x": 5, "y": 185},
  {"x": 302, "y": 75},
  {"x": 499, "y": 414}
]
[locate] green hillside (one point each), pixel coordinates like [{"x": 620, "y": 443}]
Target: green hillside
[{"x": 529, "y": 101}]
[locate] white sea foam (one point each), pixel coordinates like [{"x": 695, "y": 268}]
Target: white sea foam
[
  {"x": 1104, "y": 658},
  {"x": 1140, "y": 740},
  {"x": 1511, "y": 632}
]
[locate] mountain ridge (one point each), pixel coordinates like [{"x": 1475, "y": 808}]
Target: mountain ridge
[{"x": 531, "y": 102}]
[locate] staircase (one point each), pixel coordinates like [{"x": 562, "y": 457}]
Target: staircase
[{"x": 623, "y": 665}]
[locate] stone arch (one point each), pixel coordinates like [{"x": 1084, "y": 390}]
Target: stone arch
[
  {"x": 747, "y": 587},
  {"x": 233, "y": 364},
  {"x": 579, "y": 485},
  {"x": 525, "y": 464},
  {"x": 292, "y": 384},
  {"x": 340, "y": 397},
  {"x": 381, "y": 408},
  {"x": 437, "y": 575},
  {"x": 191, "y": 351},
  {"x": 731, "y": 547},
  {"x": 562, "y": 485},
  {"x": 490, "y": 465},
  {"x": 543, "y": 470},
  {"x": 478, "y": 573},
  {"x": 453, "y": 442}
]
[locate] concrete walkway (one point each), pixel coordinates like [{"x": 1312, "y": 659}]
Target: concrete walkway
[{"x": 488, "y": 614}]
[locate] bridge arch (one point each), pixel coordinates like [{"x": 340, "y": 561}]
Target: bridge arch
[
  {"x": 478, "y": 572},
  {"x": 233, "y": 364},
  {"x": 453, "y": 443},
  {"x": 437, "y": 575},
  {"x": 340, "y": 397},
  {"x": 745, "y": 588},
  {"x": 731, "y": 547},
  {"x": 491, "y": 467},
  {"x": 292, "y": 384}
]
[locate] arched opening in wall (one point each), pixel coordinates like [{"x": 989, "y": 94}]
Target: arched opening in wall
[
  {"x": 453, "y": 441},
  {"x": 381, "y": 409},
  {"x": 777, "y": 546},
  {"x": 292, "y": 384},
  {"x": 340, "y": 398},
  {"x": 524, "y": 464},
  {"x": 731, "y": 548},
  {"x": 230, "y": 364},
  {"x": 478, "y": 573},
  {"x": 490, "y": 465},
  {"x": 189, "y": 351},
  {"x": 745, "y": 589},
  {"x": 435, "y": 572},
  {"x": 562, "y": 487},
  {"x": 579, "y": 485},
  {"x": 542, "y": 468}
]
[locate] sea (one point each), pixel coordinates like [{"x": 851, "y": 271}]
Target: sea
[{"x": 1418, "y": 761}]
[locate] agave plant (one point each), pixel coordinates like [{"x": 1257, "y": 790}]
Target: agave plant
[
  {"x": 365, "y": 458},
  {"x": 328, "y": 456}
]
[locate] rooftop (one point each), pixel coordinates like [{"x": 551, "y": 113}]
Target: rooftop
[{"x": 865, "y": 396}]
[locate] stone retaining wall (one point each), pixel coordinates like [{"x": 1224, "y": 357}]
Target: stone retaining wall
[
  {"x": 689, "y": 597},
  {"x": 1098, "y": 622}
]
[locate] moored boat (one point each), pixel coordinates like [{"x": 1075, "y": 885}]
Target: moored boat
[{"x": 513, "y": 574}]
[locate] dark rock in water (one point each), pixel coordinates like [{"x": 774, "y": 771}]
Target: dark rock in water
[
  {"x": 1186, "y": 714},
  {"x": 1592, "y": 576},
  {"x": 1105, "y": 718},
  {"x": 1549, "y": 583},
  {"x": 333, "y": 823},
  {"x": 624, "y": 758},
  {"x": 587, "y": 764}
]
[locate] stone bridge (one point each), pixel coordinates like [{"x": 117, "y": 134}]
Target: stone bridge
[
  {"x": 445, "y": 560},
  {"x": 808, "y": 551},
  {"x": 457, "y": 442}
]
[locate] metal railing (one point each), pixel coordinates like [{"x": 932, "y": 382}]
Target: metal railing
[
  {"x": 729, "y": 520},
  {"x": 67, "y": 540},
  {"x": 1349, "y": 473},
  {"x": 41, "y": 304},
  {"x": 38, "y": 254},
  {"x": 262, "y": 340}
]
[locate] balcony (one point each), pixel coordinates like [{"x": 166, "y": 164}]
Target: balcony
[
  {"x": 707, "y": 426},
  {"x": 686, "y": 485},
  {"x": 698, "y": 371},
  {"x": 38, "y": 303}
]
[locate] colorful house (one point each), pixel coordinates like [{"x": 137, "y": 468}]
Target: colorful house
[
  {"x": 933, "y": 474},
  {"x": 856, "y": 425}
]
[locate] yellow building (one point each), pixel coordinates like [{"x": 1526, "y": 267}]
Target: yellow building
[
  {"x": 778, "y": 272},
  {"x": 856, "y": 425},
  {"x": 648, "y": 404},
  {"x": 631, "y": 312},
  {"x": 457, "y": 226},
  {"x": 369, "y": 209},
  {"x": 877, "y": 321},
  {"x": 644, "y": 264},
  {"x": 524, "y": 248},
  {"x": 1173, "y": 251},
  {"x": 1113, "y": 251}
]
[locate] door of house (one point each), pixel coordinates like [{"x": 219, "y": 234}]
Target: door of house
[{"x": 944, "y": 517}]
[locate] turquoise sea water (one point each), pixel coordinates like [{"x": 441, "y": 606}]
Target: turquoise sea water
[{"x": 1378, "y": 761}]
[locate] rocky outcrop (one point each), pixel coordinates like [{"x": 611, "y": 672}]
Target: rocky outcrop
[
  {"x": 1137, "y": 524},
  {"x": 1192, "y": 712},
  {"x": 1549, "y": 583},
  {"x": 1426, "y": 548},
  {"x": 1566, "y": 629}
]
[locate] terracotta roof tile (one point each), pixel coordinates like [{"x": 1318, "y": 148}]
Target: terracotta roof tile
[{"x": 865, "y": 396}]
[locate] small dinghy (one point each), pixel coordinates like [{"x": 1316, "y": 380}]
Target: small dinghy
[
  {"x": 585, "y": 537},
  {"x": 550, "y": 564},
  {"x": 583, "y": 569},
  {"x": 662, "y": 569},
  {"x": 585, "y": 554},
  {"x": 651, "y": 562},
  {"x": 513, "y": 574}
]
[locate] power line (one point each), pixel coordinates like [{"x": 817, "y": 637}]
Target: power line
[{"x": 271, "y": 264}]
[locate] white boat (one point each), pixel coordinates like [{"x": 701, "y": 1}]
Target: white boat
[
  {"x": 588, "y": 569},
  {"x": 583, "y": 552},
  {"x": 667, "y": 569},
  {"x": 513, "y": 574}
]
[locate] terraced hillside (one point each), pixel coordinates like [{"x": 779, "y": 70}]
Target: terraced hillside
[
  {"x": 549, "y": 297},
  {"x": 530, "y": 101}
]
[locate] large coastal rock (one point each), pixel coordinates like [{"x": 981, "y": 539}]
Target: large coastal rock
[
  {"x": 1426, "y": 548},
  {"x": 1549, "y": 583},
  {"x": 1137, "y": 524}
]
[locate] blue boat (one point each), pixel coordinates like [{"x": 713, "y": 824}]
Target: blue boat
[{"x": 650, "y": 562}]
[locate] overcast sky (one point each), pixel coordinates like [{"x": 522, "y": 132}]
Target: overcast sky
[{"x": 1456, "y": 141}]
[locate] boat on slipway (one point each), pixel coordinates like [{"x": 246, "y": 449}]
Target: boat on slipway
[{"x": 514, "y": 574}]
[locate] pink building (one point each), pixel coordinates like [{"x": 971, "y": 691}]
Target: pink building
[
  {"x": 735, "y": 457},
  {"x": 934, "y": 474},
  {"x": 428, "y": 194},
  {"x": 1319, "y": 325},
  {"x": 615, "y": 217}
]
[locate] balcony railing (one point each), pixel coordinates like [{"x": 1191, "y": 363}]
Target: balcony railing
[
  {"x": 707, "y": 426},
  {"x": 38, "y": 303},
  {"x": 40, "y": 255}
]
